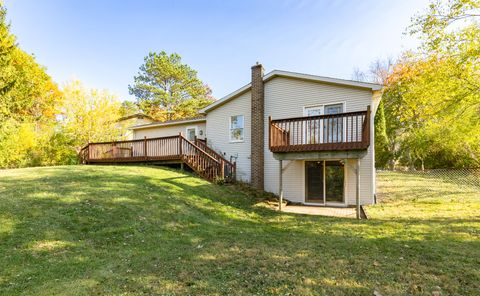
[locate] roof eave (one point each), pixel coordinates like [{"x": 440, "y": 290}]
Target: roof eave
[
  {"x": 162, "y": 124},
  {"x": 225, "y": 99},
  {"x": 324, "y": 79},
  {"x": 280, "y": 73}
]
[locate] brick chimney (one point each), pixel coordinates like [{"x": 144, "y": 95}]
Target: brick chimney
[{"x": 257, "y": 127}]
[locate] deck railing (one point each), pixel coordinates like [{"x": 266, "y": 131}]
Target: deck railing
[
  {"x": 165, "y": 148},
  {"x": 174, "y": 148},
  {"x": 343, "y": 131}
]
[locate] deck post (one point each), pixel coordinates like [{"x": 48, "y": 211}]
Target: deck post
[
  {"x": 269, "y": 132},
  {"x": 357, "y": 193},
  {"x": 235, "y": 171},
  {"x": 222, "y": 169},
  {"x": 114, "y": 151},
  {"x": 145, "y": 147},
  {"x": 89, "y": 153},
  {"x": 180, "y": 153},
  {"x": 280, "y": 184}
]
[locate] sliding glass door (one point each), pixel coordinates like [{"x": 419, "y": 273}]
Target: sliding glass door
[{"x": 324, "y": 181}]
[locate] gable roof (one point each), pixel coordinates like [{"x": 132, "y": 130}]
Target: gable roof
[
  {"x": 136, "y": 115},
  {"x": 280, "y": 73},
  {"x": 169, "y": 122}
]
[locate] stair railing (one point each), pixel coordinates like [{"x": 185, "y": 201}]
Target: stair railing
[
  {"x": 229, "y": 168},
  {"x": 200, "y": 161}
]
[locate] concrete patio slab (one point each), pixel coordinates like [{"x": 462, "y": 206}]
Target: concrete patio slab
[{"x": 321, "y": 211}]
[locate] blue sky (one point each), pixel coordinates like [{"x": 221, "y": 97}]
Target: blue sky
[{"x": 103, "y": 42}]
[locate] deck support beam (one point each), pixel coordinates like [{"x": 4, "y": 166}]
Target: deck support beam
[
  {"x": 280, "y": 184},
  {"x": 320, "y": 155},
  {"x": 357, "y": 191}
]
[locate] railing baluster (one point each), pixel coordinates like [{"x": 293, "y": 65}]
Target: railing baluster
[
  {"x": 328, "y": 130},
  {"x": 301, "y": 133},
  {"x": 346, "y": 129},
  {"x": 356, "y": 128},
  {"x": 332, "y": 132}
]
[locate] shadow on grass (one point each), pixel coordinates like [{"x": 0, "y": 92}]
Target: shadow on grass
[{"x": 97, "y": 230}]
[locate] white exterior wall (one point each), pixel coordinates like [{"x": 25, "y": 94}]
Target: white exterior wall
[
  {"x": 170, "y": 130},
  {"x": 286, "y": 97},
  {"x": 218, "y": 133}
]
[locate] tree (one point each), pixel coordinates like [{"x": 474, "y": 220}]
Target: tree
[
  {"x": 436, "y": 28},
  {"x": 40, "y": 125},
  {"x": 34, "y": 95},
  {"x": 27, "y": 92},
  {"x": 29, "y": 101},
  {"x": 17, "y": 141},
  {"x": 7, "y": 46},
  {"x": 89, "y": 115},
  {"x": 167, "y": 89},
  {"x": 385, "y": 148},
  {"x": 430, "y": 110},
  {"x": 128, "y": 108},
  {"x": 382, "y": 149},
  {"x": 378, "y": 71},
  {"x": 431, "y": 115},
  {"x": 450, "y": 52}
]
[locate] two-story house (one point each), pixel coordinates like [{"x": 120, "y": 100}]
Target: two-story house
[{"x": 304, "y": 137}]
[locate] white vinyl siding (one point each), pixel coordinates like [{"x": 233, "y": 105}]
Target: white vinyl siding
[
  {"x": 286, "y": 97},
  {"x": 218, "y": 130},
  {"x": 170, "y": 130}
]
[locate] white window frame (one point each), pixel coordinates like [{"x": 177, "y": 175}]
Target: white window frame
[
  {"x": 305, "y": 129},
  {"x": 230, "y": 129},
  {"x": 322, "y": 107},
  {"x": 191, "y": 127}
]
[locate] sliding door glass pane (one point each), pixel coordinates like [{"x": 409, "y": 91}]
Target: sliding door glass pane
[
  {"x": 314, "y": 181},
  {"x": 334, "y": 177}
]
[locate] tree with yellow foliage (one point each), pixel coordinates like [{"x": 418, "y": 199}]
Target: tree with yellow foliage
[
  {"x": 432, "y": 97},
  {"x": 89, "y": 115}
]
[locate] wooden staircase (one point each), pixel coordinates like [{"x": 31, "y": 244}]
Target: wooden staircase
[
  {"x": 203, "y": 160},
  {"x": 228, "y": 167}
]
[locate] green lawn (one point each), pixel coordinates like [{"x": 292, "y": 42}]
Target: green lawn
[{"x": 83, "y": 230}]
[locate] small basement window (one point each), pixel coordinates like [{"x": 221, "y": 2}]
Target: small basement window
[{"x": 237, "y": 123}]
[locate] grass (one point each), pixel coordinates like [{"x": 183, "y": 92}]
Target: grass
[{"x": 83, "y": 230}]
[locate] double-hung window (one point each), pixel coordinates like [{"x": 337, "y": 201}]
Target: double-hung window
[{"x": 237, "y": 124}]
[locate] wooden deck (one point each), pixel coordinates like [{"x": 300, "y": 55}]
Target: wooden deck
[
  {"x": 335, "y": 132},
  {"x": 197, "y": 155}
]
